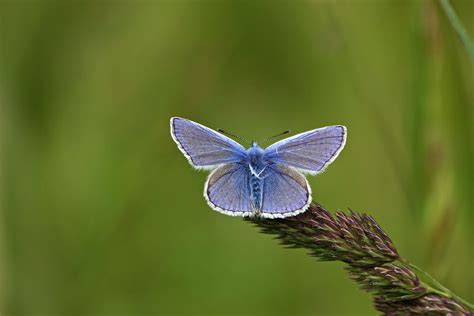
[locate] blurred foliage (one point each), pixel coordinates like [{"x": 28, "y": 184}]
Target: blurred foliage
[{"x": 101, "y": 214}]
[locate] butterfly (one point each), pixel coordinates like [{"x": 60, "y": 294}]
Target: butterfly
[{"x": 266, "y": 183}]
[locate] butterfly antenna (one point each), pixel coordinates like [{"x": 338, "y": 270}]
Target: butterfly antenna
[
  {"x": 232, "y": 135},
  {"x": 275, "y": 136}
]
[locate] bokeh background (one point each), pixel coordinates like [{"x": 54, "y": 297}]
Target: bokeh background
[{"x": 102, "y": 215}]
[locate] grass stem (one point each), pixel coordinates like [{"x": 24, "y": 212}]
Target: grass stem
[
  {"x": 440, "y": 289},
  {"x": 457, "y": 26}
]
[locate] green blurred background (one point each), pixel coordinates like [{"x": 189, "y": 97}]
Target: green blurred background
[{"x": 102, "y": 215}]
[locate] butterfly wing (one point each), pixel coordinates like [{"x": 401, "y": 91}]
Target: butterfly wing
[
  {"x": 286, "y": 192},
  {"x": 227, "y": 190},
  {"x": 311, "y": 151},
  {"x": 202, "y": 146}
]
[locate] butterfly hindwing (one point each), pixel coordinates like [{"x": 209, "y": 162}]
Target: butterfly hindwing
[
  {"x": 285, "y": 192},
  {"x": 227, "y": 190},
  {"x": 203, "y": 147},
  {"x": 311, "y": 151}
]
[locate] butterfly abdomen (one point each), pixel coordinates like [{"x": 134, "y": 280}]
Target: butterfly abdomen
[{"x": 256, "y": 192}]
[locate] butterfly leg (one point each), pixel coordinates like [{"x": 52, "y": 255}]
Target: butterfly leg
[{"x": 257, "y": 174}]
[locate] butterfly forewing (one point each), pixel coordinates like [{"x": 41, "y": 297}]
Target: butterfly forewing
[
  {"x": 203, "y": 147},
  {"x": 311, "y": 151}
]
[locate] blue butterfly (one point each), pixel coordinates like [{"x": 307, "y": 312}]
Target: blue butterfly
[{"x": 259, "y": 182}]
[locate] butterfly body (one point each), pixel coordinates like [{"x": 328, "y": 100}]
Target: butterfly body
[
  {"x": 258, "y": 182},
  {"x": 256, "y": 170}
]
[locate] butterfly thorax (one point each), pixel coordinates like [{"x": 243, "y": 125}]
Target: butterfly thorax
[
  {"x": 256, "y": 169},
  {"x": 255, "y": 159}
]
